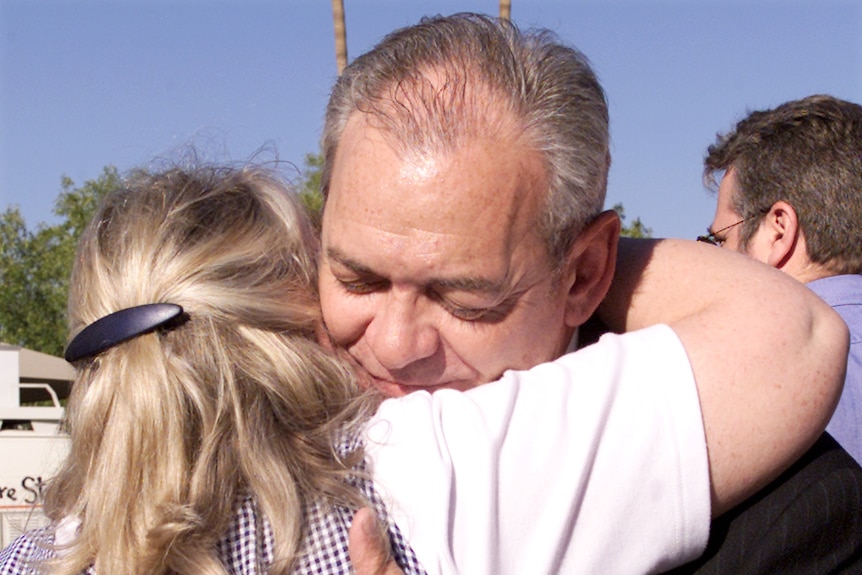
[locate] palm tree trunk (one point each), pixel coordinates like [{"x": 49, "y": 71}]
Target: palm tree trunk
[
  {"x": 340, "y": 35},
  {"x": 506, "y": 9}
]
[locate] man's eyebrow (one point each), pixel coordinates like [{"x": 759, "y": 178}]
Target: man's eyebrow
[{"x": 343, "y": 259}]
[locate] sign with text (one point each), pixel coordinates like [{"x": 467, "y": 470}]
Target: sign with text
[{"x": 27, "y": 460}]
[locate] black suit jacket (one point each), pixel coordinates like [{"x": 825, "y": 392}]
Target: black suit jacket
[{"x": 806, "y": 522}]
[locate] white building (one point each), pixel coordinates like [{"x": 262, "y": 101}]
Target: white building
[{"x": 31, "y": 443}]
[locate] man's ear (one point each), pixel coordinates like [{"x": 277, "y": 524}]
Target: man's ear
[
  {"x": 781, "y": 230},
  {"x": 590, "y": 266}
]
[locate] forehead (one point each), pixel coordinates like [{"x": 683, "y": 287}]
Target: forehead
[{"x": 480, "y": 201}]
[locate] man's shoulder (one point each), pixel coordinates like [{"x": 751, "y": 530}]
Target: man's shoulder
[{"x": 839, "y": 290}]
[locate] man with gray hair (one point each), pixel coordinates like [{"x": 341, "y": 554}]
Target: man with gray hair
[{"x": 465, "y": 170}]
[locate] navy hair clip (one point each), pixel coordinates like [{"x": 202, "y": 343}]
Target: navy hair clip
[{"x": 120, "y": 326}]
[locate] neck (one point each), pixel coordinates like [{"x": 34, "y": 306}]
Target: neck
[{"x": 805, "y": 271}]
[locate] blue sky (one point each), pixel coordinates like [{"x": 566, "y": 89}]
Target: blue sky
[{"x": 88, "y": 83}]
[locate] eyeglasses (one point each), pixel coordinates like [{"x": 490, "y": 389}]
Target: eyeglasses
[{"x": 713, "y": 238}]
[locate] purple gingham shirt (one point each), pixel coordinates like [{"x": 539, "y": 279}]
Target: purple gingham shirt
[{"x": 246, "y": 548}]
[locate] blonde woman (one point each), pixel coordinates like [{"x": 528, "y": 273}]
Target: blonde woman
[
  {"x": 211, "y": 433},
  {"x": 203, "y": 403}
]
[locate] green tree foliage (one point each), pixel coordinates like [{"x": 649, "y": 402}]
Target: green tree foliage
[
  {"x": 35, "y": 266},
  {"x": 309, "y": 190},
  {"x": 637, "y": 229}
]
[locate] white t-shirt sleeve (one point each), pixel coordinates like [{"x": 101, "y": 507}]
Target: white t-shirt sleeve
[{"x": 594, "y": 463}]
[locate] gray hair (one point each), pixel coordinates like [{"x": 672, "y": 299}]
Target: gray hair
[{"x": 434, "y": 85}]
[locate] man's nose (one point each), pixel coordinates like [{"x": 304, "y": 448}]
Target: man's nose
[{"x": 401, "y": 331}]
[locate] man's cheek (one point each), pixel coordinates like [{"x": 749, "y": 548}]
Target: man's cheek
[
  {"x": 343, "y": 319},
  {"x": 331, "y": 308}
]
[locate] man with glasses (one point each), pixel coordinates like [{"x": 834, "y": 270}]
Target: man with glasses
[{"x": 790, "y": 195}]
